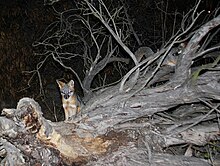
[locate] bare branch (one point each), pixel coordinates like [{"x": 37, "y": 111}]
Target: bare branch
[{"x": 96, "y": 13}]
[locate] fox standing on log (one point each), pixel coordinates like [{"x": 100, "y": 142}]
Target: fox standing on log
[{"x": 71, "y": 103}]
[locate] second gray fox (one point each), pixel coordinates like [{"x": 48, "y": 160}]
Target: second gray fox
[{"x": 71, "y": 103}]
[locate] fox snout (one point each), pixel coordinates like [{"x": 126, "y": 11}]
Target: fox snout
[{"x": 66, "y": 96}]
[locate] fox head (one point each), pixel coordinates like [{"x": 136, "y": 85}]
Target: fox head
[{"x": 66, "y": 90}]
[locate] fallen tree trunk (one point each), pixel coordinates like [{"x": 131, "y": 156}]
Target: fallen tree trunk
[
  {"x": 114, "y": 132},
  {"x": 77, "y": 143}
]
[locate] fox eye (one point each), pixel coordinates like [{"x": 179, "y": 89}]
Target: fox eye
[{"x": 65, "y": 93}]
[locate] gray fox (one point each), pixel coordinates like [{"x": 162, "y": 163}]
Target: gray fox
[
  {"x": 71, "y": 103},
  {"x": 172, "y": 56}
]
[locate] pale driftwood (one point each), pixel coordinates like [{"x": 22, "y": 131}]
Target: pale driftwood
[
  {"x": 12, "y": 155},
  {"x": 139, "y": 157},
  {"x": 77, "y": 143}
]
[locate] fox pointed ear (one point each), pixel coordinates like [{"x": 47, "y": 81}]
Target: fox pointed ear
[
  {"x": 60, "y": 83},
  {"x": 71, "y": 83}
]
